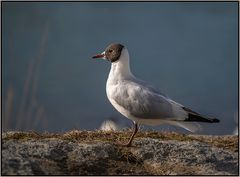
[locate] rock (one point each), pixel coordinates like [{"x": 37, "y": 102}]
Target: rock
[
  {"x": 185, "y": 158},
  {"x": 38, "y": 154}
]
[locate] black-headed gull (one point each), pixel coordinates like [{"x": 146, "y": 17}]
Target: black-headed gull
[{"x": 141, "y": 102}]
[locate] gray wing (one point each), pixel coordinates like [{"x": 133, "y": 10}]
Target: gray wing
[
  {"x": 143, "y": 101},
  {"x": 150, "y": 88}
]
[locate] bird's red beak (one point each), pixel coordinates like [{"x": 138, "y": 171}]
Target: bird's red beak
[{"x": 99, "y": 56}]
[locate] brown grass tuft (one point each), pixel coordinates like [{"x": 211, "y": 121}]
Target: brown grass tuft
[{"x": 225, "y": 142}]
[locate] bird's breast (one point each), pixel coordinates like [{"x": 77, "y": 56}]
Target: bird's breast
[
  {"x": 111, "y": 88},
  {"x": 114, "y": 90}
]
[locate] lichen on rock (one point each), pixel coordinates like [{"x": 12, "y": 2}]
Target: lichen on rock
[{"x": 94, "y": 153}]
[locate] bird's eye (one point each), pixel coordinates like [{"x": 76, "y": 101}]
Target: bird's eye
[{"x": 110, "y": 51}]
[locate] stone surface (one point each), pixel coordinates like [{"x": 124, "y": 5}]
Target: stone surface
[{"x": 148, "y": 156}]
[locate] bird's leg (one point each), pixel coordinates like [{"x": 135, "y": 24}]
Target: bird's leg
[
  {"x": 132, "y": 136},
  {"x": 134, "y": 133}
]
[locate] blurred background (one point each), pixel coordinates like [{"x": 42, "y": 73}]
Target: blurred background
[{"x": 189, "y": 50}]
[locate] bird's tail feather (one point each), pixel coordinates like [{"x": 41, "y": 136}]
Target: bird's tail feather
[{"x": 190, "y": 126}]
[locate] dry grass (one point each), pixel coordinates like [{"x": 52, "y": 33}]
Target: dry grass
[
  {"x": 8, "y": 107},
  {"x": 28, "y": 109},
  {"x": 225, "y": 142}
]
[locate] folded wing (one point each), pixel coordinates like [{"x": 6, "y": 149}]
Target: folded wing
[{"x": 143, "y": 103}]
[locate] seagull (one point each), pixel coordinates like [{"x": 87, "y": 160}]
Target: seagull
[{"x": 141, "y": 102}]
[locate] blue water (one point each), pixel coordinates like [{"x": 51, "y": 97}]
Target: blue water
[{"x": 188, "y": 49}]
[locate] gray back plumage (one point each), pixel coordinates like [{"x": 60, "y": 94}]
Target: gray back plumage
[{"x": 142, "y": 102}]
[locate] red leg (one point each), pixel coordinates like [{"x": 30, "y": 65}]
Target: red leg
[{"x": 132, "y": 136}]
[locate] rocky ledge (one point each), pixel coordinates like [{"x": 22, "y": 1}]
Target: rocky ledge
[{"x": 95, "y": 153}]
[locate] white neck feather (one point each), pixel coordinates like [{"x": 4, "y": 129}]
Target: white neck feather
[{"x": 120, "y": 69}]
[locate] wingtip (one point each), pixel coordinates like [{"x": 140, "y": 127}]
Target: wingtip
[
  {"x": 199, "y": 118},
  {"x": 215, "y": 120}
]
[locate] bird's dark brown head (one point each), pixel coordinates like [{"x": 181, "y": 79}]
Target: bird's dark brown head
[{"x": 112, "y": 53}]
